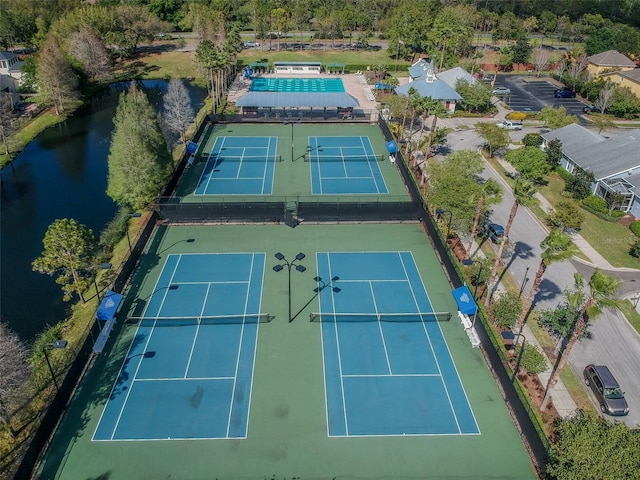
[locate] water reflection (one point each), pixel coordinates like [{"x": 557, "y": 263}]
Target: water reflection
[{"x": 61, "y": 174}]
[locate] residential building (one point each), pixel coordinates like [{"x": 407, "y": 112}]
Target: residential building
[{"x": 609, "y": 61}]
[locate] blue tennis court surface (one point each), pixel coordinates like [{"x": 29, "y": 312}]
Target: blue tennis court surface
[
  {"x": 188, "y": 373},
  {"x": 344, "y": 165},
  {"x": 240, "y": 166},
  {"x": 386, "y": 377}
]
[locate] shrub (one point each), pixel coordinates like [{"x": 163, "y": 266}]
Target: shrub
[
  {"x": 532, "y": 140},
  {"x": 596, "y": 203},
  {"x": 532, "y": 360},
  {"x": 618, "y": 214},
  {"x": 635, "y": 227},
  {"x": 634, "y": 251},
  {"x": 506, "y": 310},
  {"x": 566, "y": 215},
  {"x": 516, "y": 116}
]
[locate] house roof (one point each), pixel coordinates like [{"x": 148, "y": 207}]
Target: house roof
[
  {"x": 7, "y": 55},
  {"x": 635, "y": 181},
  {"x": 611, "y": 58},
  {"x": 296, "y": 99},
  {"x": 420, "y": 68},
  {"x": 430, "y": 87},
  {"x": 633, "y": 75},
  {"x": 451, "y": 76},
  {"x": 612, "y": 157},
  {"x": 573, "y": 138}
]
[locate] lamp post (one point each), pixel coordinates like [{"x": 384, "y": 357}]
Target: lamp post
[
  {"x": 126, "y": 229},
  {"x": 524, "y": 280},
  {"x": 58, "y": 344},
  {"x": 515, "y": 343},
  {"x": 291, "y": 121},
  {"x": 289, "y": 264},
  {"x": 102, "y": 266},
  {"x": 469, "y": 261},
  {"x": 442, "y": 211}
]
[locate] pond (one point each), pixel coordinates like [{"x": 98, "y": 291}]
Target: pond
[{"x": 61, "y": 174}]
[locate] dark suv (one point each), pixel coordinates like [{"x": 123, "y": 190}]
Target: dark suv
[
  {"x": 606, "y": 389},
  {"x": 564, "y": 92},
  {"x": 493, "y": 231}
]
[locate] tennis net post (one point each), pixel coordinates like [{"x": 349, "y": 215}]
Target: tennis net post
[{"x": 417, "y": 317}]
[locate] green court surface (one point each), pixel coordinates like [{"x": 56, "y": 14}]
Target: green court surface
[
  {"x": 293, "y": 173},
  {"x": 287, "y": 434}
]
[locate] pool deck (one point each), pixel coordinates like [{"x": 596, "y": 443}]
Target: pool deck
[{"x": 353, "y": 85}]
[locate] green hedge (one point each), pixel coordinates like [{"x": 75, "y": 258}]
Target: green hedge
[
  {"x": 564, "y": 174},
  {"x": 635, "y": 227}
]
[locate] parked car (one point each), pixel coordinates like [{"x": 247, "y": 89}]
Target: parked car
[
  {"x": 564, "y": 92},
  {"x": 251, "y": 44},
  {"x": 608, "y": 393},
  {"x": 501, "y": 91},
  {"x": 493, "y": 231},
  {"x": 509, "y": 125},
  {"x": 488, "y": 78},
  {"x": 589, "y": 108}
]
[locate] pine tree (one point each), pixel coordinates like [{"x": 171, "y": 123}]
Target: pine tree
[
  {"x": 138, "y": 159},
  {"x": 54, "y": 75}
]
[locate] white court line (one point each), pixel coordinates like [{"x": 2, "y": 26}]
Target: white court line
[
  {"x": 384, "y": 375},
  {"x": 384, "y": 343},
  {"x": 179, "y": 379},
  {"x": 195, "y": 337}
]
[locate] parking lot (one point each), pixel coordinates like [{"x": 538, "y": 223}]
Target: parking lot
[{"x": 530, "y": 94}]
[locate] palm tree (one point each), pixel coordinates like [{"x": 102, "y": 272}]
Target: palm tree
[
  {"x": 523, "y": 193},
  {"x": 436, "y": 108},
  {"x": 490, "y": 193},
  {"x": 602, "y": 289},
  {"x": 557, "y": 247}
]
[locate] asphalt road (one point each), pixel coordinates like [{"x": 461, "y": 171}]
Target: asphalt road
[{"x": 611, "y": 341}]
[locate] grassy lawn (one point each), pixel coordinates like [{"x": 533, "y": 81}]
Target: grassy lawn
[{"x": 610, "y": 239}]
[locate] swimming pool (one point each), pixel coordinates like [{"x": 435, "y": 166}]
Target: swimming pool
[{"x": 304, "y": 85}]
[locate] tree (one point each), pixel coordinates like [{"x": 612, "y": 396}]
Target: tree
[
  {"x": 505, "y": 310},
  {"x": 69, "y": 250},
  {"x": 602, "y": 290},
  {"x": 489, "y": 194},
  {"x": 56, "y": 81},
  {"x": 14, "y": 371},
  {"x": 138, "y": 159},
  {"x": 177, "y": 110},
  {"x": 579, "y": 185},
  {"x": 475, "y": 97},
  {"x": 541, "y": 58},
  {"x": 452, "y": 183},
  {"x": 554, "y": 152},
  {"x": 590, "y": 447},
  {"x": 521, "y": 50},
  {"x": 523, "y": 193},
  {"x": 7, "y": 120},
  {"x": 532, "y": 359},
  {"x": 556, "y": 247},
  {"x": 601, "y": 40},
  {"x": 602, "y": 122},
  {"x": 624, "y": 104},
  {"x": 531, "y": 162},
  {"x": 566, "y": 215},
  {"x": 89, "y": 50},
  {"x": 494, "y": 136},
  {"x": 532, "y": 140},
  {"x": 556, "y": 117},
  {"x": 132, "y": 25},
  {"x": 576, "y": 69},
  {"x": 605, "y": 97}
]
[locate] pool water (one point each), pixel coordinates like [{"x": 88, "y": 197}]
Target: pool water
[{"x": 303, "y": 85}]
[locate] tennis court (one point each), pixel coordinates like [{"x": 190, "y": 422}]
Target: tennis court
[
  {"x": 239, "y": 166},
  {"x": 188, "y": 373},
  {"x": 388, "y": 369},
  {"x": 344, "y": 165}
]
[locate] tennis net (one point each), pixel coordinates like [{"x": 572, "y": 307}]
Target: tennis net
[
  {"x": 381, "y": 317},
  {"x": 246, "y": 158},
  {"x": 342, "y": 158},
  {"x": 204, "y": 320}
]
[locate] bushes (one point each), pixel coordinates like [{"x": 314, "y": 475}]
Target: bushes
[
  {"x": 634, "y": 251},
  {"x": 519, "y": 116},
  {"x": 595, "y": 204},
  {"x": 506, "y": 310},
  {"x": 635, "y": 227}
]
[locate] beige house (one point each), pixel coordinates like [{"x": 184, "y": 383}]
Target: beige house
[
  {"x": 627, "y": 78},
  {"x": 609, "y": 61}
]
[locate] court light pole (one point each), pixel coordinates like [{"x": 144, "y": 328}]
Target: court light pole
[
  {"x": 102, "y": 266},
  {"x": 58, "y": 344},
  {"x": 515, "y": 343},
  {"x": 442, "y": 211},
  {"x": 291, "y": 121},
  {"x": 126, "y": 227},
  {"x": 288, "y": 265}
]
